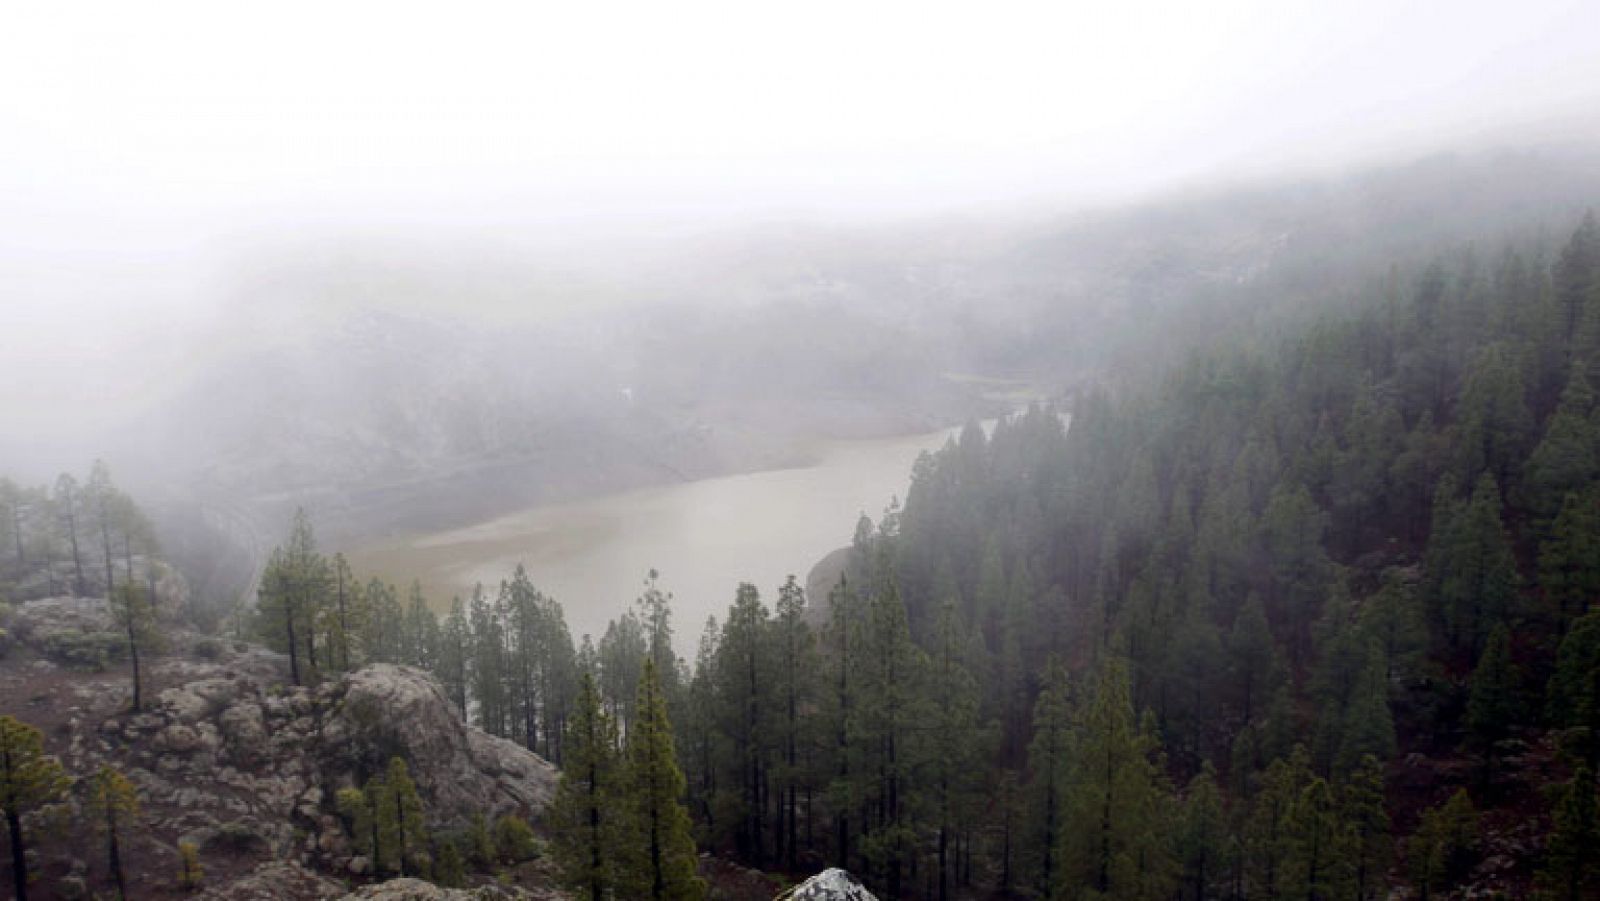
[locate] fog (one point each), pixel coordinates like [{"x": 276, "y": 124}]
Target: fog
[{"x": 388, "y": 261}]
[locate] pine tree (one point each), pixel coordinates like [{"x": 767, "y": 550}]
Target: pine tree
[
  {"x": 1318, "y": 868},
  {"x": 955, "y": 766},
  {"x": 488, "y": 670},
  {"x": 1569, "y": 557},
  {"x": 1007, "y": 808},
  {"x": 1392, "y": 620},
  {"x": 1494, "y": 425},
  {"x": 448, "y": 868},
  {"x": 1574, "y": 690},
  {"x": 1568, "y": 457},
  {"x": 1368, "y": 727},
  {"x": 1049, "y": 756},
  {"x": 843, "y": 637},
  {"x": 524, "y": 633},
  {"x": 655, "y": 613},
  {"x": 344, "y": 616},
  {"x": 744, "y": 691},
  {"x": 622, "y": 650},
  {"x": 102, "y": 500},
  {"x": 480, "y": 844},
  {"x": 358, "y": 808},
  {"x": 1270, "y": 835},
  {"x": 584, "y": 817},
  {"x": 1292, "y": 528},
  {"x": 514, "y": 841},
  {"x": 66, "y": 503},
  {"x": 293, "y": 597},
  {"x": 1492, "y": 702},
  {"x": 795, "y": 691},
  {"x": 134, "y": 613},
  {"x": 455, "y": 650},
  {"x": 892, "y": 695},
  {"x": 1478, "y": 583},
  {"x": 1443, "y": 846},
  {"x": 1577, "y": 272},
  {"x": 1202, "y": 836},
  {"x": 29, "y": 780},
  {"x": 1571, "y": 867},
  {"x": 399, "y": 819},
  {"x": 1115, "y": 841},
  {"x": 699, "y": 738},
  {"x": 1253, "y": 655},
  {"x": 420, "y": 631},
  {"x": 659, "y": 854},
  {"x": 114, "y": 803},
  {"x": 1371, "y": 844},
  {"x": 381, "y": 618}
]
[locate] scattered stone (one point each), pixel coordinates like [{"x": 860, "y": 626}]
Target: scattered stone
[{"x": 417, "y": 890}]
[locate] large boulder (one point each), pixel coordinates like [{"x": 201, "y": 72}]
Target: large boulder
[
  {"x": 832, "y": 884},
  {"x": 382, "y": 711}
]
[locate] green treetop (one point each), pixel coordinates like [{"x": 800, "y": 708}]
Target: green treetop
[
  {"x": 659, "y": 861},
  {"x": 29, "y": 780}
]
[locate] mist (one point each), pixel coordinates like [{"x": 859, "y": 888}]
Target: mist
[
  {"x": 896, "y": 450},
  {"x": 377, "y": 262}
]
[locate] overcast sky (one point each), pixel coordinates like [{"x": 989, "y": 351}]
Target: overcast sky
[{"x": 138, "y": 138}]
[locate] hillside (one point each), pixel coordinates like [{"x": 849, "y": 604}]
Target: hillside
[
  {"x": 1293, "y": 599},
  {"x": 227, "y": 756}
]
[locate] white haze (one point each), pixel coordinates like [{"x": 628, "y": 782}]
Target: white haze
[{"x": 152, "y": 155}]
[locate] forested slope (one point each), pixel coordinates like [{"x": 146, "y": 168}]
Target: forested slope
[
  {"x": 1307, "y": 617},
  {"x": 1303, "y": 576}
]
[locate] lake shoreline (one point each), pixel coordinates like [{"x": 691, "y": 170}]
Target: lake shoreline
[{"x": 695, "y": 532}]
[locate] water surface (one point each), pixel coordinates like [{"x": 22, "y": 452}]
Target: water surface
[{"x": 704, "y": 537}]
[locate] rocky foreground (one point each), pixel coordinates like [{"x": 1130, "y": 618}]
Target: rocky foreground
[{"x": 229, "y": 756}]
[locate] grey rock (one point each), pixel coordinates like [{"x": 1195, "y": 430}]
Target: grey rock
[
  {"x": 274, "y": 881},
  {"x": 832, "y": 884},
  {"x": 178, "y": 739},
  {"x": 384, "y": 710}
]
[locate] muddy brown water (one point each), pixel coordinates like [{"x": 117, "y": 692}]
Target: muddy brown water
[{"x": 705, "y": 537}]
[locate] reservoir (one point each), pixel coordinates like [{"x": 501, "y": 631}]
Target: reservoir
[{"x": 704, "y": 537}]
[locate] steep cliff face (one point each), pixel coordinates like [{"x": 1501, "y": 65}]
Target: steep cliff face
[{"x": 228, "y": 756}]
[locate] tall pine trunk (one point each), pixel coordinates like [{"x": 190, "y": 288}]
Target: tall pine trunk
[{"x": 19, "y": 852}]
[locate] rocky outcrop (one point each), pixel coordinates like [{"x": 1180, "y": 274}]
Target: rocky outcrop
[
  {"x": 829, "y": 885},
  {"x": 383, "y": 710},
  {"x": 267, "y": 760},
  {"x": 274, "y": 881},
  {"x": 230, "y": 757}
]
